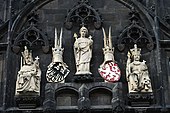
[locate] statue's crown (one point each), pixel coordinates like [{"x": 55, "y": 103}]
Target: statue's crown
[{"x": 135, "y": 50}]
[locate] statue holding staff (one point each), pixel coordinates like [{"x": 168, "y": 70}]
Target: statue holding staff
[
  {"x": 137, "y": 72},
  {"x": 83, "y": 52},
  {"x": 29, "y": 75}
]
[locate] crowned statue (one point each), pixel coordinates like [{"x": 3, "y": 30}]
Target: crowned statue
[
  {"x": 137, "y": 72},
  {"x": 29, "y": 75},
  {"x": 83, "y": 52}
]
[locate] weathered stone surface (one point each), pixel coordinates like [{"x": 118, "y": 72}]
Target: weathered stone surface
[{"x": 114, "y": 13}]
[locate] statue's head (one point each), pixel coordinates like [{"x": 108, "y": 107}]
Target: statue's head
[
  {"x": 136, "y": 52},
  {"x": 25, "y": 47},
  {"x": 83, "y": 31},
  {"x": 26, "y": 50}
]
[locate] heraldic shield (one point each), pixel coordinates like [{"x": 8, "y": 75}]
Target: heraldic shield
[{"x": 110, "y": 71}]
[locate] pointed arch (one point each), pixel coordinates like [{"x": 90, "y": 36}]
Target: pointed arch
[{"x": 19, "y": 20}]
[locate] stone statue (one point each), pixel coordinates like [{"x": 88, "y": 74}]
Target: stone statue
[
  {"x": 29, "y": 75},
  {"x": 57, "y": 70},
  {"x": 109, "y": 70},
  {"x": 83, "y": 52},
  {"x": 137, "y": 72}
]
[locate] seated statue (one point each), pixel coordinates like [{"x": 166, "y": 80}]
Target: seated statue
[
  {"x": 83, "y": 52},
  {"x": 29, "y": 74},
  {"x": 137, "y": 72}
]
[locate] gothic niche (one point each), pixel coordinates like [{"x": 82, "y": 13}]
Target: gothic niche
[
  {"x": 135, "y": 34},
  {"x": 31, "y": 35},
  {"x": 83, "y": 14}
]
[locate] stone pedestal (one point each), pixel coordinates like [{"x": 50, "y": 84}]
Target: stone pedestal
[
  {"x": 140, "y": 99},
  {"x": 83, "y": 78},
  {"x": 27, "y": 101}
]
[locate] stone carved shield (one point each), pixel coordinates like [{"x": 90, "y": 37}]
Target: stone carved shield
[
  {"x": 110, "y": 71},
  {"x": 57, "y": 73}
]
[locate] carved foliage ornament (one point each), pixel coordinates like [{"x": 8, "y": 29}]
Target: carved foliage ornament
[
  {"x": 83, "y": 14},
  {"x": 31, "y": 36},
  {"x": 135, "y": 34}
]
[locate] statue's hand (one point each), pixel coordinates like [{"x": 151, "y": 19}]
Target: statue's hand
[
  {"x": 20, "y": 72},
  {"x": 75, "y": 36},
  {"x": 128, "y": 55},
  {"x": 144, "y": 62},
  {"x": 127, "y": 78},
  {"x": 90, "y": 37}
]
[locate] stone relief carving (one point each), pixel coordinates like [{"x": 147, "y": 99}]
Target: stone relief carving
[
  {"x": 83, "y": 14},
  {"x": 135, "y": 33},
  {"x": 83, "y": 52},
  {"x": 29, "y": 75},
  {"x": 57, "y": 70},
  {"x": 109, "y": 70},
  {"x": 137, "y": 72},
  {"x": 31, "y": 35}
]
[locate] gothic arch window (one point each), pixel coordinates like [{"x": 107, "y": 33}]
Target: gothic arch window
[
  {"x": 83, "y": 13},
  {"x": 135, "y": 33},
  {"x": 31, "y": 35}
]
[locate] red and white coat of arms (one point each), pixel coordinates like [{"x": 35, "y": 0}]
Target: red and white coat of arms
[{"x": 110, "y": 71}]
